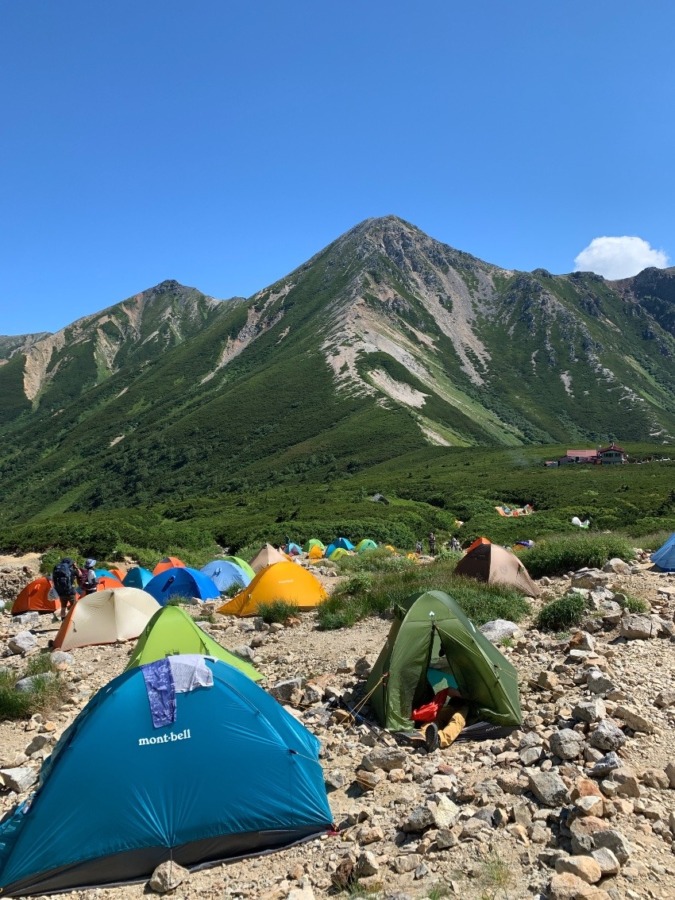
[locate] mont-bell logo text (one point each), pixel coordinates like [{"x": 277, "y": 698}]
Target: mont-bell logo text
[{"x": 166, "y": 738}]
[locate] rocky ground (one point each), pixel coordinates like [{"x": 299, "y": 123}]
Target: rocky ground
[{"x": 578, "y": 803}]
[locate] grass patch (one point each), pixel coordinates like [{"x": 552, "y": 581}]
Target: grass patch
[
  {"x": 633, "y": 604},
  {"x": 557, "y": 556},
  {"x": 652, "y": 541},
  {"x": 380, "y": 560},
  {"x": 560, "y": 615},
  {"x": 372, "y": 594},
  {"x": 47, "y": 691},
  {"x": 496, "y": 874},
  {"x": 277, "y": 611}
]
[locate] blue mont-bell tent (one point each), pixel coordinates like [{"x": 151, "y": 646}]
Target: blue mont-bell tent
[
  {"x": 224, "y": 574},
  {"x": 181, "y": 581},
  {"x": 118, "y": 796},
  {"x": 664, "y": 557}
]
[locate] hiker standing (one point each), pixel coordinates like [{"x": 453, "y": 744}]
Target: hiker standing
[
  {"x": 65, "y": 576},
  {"x": 418, "y": 548},
  {"x": 86, "y": 577},
  {"x": 432, "y": 543},
  {"x": 455, "y": 545}
]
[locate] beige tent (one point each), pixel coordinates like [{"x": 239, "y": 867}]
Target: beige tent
[
  {"x": 266, "y": 557},
  {"x": 495, "y": 564},
  {"x": 105, "y": 617}
]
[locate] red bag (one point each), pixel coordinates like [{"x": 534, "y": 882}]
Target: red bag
[{"x": 429, "y": 711}]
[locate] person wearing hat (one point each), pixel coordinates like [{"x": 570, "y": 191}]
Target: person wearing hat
[{"x": 87, "y": 577}]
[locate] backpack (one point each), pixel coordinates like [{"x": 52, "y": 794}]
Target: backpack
[
  {"x": 88, "y": 580},
  {"x": 63, "y": 579}
]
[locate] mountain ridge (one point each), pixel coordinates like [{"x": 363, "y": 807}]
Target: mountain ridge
[{"x": 384, "y": 341}]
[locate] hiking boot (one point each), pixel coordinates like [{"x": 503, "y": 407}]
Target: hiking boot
[{"x": 431, "y": 738}]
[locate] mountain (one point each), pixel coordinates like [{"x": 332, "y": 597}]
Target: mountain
[{"x": 383, "y": 342}]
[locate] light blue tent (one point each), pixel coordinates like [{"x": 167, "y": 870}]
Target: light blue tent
[
  {"x": 331, "y": 548},
  {"x": 224, "y": 574},
  {"x": 181, "y": 581},
  {"x": 344, "y": 544},
  {"x": 106, "y": 782},
  {"x": 105, "y": 573},
  {"x": 664, "y": 557},
  {"x": 137, "y": 577}
]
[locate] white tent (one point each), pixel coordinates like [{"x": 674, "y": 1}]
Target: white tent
[
  {"x": 266, "y": 557},
  {"x": 105, "y": 617}
]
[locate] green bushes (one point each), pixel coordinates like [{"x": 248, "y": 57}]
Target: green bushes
[
  {"x": 277, "y": 611},
  {"x": 380, "y": 560},
  {"x": 561, "y": 615},
  {"x": 556, "y": 556},
  {"x": 47, "y": 690},
  {"x": 375, "y": 594}
]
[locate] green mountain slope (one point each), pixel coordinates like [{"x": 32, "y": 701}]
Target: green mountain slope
[{"x": 383, "y": 343}]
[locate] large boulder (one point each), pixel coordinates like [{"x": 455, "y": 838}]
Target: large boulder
[
  {"x": 24, "y": 643},
  {"x": 499, "y": 629},
  {"x": 641, "y": 628}
]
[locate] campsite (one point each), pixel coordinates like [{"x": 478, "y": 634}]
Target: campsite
[{"x": 480, "y": 818}]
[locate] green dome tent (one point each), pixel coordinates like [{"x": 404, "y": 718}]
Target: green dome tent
[
  {"x": 314, "y": 542},
  {"x": 430, "y": 630},
  {"x": 366, "y": 544},
  {"x": 241, "y": 563},
  {"x": 171, "y": 632}
]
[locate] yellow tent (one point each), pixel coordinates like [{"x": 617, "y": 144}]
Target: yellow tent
[
  {"x": 315, "y": 553},
  {"x": 266, "y": 557},
  {"x": 282, "y": 581}
]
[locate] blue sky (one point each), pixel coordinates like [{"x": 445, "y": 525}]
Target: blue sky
[{"x": 224, "y": 143}]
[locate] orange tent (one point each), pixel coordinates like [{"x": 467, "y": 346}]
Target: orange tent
[
  {"x": 118, "y": 573},
  {"x": 35, "y": 597},
  {"x": 107, "y": 584},
  {"x": 479, "y": 542},
  {"x": 315, "y": 553},
  {"x": 168, "y": 562},
  {"x": 285, "y": 581}
]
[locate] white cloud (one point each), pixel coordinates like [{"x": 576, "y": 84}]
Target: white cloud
[{"x": 619, "y": 257}]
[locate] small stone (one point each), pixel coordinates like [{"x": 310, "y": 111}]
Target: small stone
[
  {"x": 444, "y": 812},
  {"x": 368, "y": 781},
  {"x": 590, "y": 710},
  {"x": 626, "y": 781},
  {"x": 547, "y": 680},
  {"x": 27, "y": 685},
  {"x": 548, "y": 788},
  {"x": 609, "y": 864},
  {"x": 584, "y": 832},
  {"x": 670, "y": 772},
  {"x": 616, "y": 842},
  {"x": 445, "y": 839},
  {"x": 531, "y": 755},
  {"x": 419, "y": 820},
  {"x": 567, "y": 744},
  {"x": 385, "y": 758},
  {"x": 604, "y": 766},
  {"x": 18, "y": 779},
  {"x": 62, "y": 660},
  {"x": 655, "y": 778},
  {"x": 344, "y": 875},
  {"x": 334, "y": 781},
  {"x": 370, "y": 835},
  {"x": 38, "y": 743},
  {"x": 283, "y": 691},
  {"x": 634, "y": 720},
  {"x": 635, "y": 627},
  {"x": 665, "y": 699},
  {"x": 367, "y": 865},
  {"x": 407, "y": 863},
  {"x": 607, "y": 736},
  {"x": 598, "y": 683},
  {"x": 167, "y": 876},
  {"x": 584, "y": 867}
]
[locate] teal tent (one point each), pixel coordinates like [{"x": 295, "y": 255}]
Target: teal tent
[
  {"x": 218, "y": 772},
  {"x": 137, "y": 577},
  {"x": 430, "y": 630}
]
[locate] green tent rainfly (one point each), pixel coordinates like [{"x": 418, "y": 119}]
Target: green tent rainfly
[
  {"x": 430, "y": 630},
  {"x": 171, "y": 631}
]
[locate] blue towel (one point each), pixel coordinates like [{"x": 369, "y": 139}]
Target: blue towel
[{"x": 161, "y": 692}]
